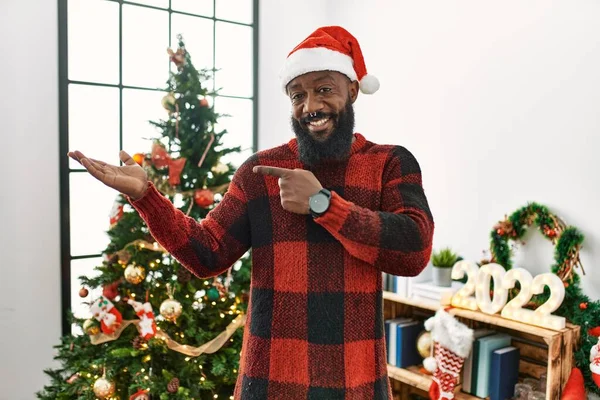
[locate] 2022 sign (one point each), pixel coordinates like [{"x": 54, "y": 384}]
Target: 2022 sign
[{"x": 478, "y": 282}]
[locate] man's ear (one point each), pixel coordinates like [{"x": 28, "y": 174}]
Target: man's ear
[{"x": 353, "y": 90}]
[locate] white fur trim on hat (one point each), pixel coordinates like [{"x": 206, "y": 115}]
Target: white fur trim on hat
[
  {"x": 303, "y": 61},
  {"x": 450, "y": 333}
]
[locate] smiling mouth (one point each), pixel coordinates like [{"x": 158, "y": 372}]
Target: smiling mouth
[{"x": 318, "y": 124}]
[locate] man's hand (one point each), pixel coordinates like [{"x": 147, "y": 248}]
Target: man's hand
[
  {"x": 129, "y": 179},
  {"x": 295, "y": 187}
]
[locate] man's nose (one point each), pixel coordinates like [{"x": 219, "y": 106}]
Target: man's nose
[{"x": 312, "y": 104}]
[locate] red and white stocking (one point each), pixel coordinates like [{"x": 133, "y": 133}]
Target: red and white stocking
[
  {"x": 446, "y": 374},
  {"x": 453, "y": 341},
  {"x": 147, "y": 324}
]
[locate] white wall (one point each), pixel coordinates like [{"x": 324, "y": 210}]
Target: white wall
[
  {"x": 30, "y": 318},
  {"x": 498, "y": 101}
]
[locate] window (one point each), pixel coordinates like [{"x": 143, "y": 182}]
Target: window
[{"x": 113, "y": 68}]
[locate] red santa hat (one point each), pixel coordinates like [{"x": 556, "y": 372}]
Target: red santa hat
[{"x": 329, "y": 48}]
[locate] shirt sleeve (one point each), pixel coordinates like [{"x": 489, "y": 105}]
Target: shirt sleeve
[
  {"x": 398, "y": 238},
  {"x": 209, "y": 247}
]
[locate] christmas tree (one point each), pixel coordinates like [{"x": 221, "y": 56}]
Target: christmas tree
[{"x": 157, "y": 331}]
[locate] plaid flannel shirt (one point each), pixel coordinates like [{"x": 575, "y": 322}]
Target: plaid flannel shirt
[{"x": 315, "y": 326}]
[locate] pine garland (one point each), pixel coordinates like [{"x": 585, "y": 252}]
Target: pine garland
[{"x": 577, "y": 308}]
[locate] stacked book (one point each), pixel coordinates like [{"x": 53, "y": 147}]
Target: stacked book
[
  {"x": 401, "y": 341},
  {"x": 428, "y": 292},
  {"x": 492, "y": 368},
  {"x": 395, "y": 284}
]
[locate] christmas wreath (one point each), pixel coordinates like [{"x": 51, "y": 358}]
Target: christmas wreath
[{"x": 577, "y": 308}]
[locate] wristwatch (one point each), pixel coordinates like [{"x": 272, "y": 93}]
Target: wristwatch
[{"x": 318, "y": 203}]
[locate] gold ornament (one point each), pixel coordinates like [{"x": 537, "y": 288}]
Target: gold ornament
[
  {"x": 424, "y": 344},
  {"x": 168, "y": 102},
  {"x": 170, "y": 308},
  {"x": 104, "y": 388},
  {"x": 134, "y": 274},
  {"x": 90, "y": 327}
]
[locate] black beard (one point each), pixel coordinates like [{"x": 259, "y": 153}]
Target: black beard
[{"x": 336, "y": 147}]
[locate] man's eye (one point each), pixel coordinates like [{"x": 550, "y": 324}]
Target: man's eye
[
  {"x": 325, "y": 90},
  {"x": 296, "y": 96}
]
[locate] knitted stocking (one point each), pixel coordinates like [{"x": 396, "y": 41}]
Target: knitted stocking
[
  {"x": 453, "y": 341},
  {"x": 445, "y": 377}
]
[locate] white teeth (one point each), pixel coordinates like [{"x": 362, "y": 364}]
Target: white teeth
[{"x": 319, "y": 122}]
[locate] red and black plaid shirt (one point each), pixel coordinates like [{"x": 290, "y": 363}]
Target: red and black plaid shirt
[{"x": 315, "y": 325}]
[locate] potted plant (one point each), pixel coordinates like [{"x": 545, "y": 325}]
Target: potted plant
[{"x": 443, "y": 261}]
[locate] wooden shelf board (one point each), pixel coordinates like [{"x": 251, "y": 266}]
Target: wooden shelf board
[
  {"x": 411, "y": 376},
  {"x": 475, "y": 315}
]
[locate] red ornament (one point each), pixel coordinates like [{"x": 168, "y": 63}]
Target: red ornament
[
  {"x": 175, "y": 168},
  {"x": 139, "y": 158},
  {"x": 83, "y": 292},
  {"x": 204, "y": 197},
  {"x": 500, "y": 231},
  {"x": 111, "y": 290},
  {"x": 160, "y": 157},
  {"x": 551, "y": 233},
  {"x": 203, "y": 102},
  {"x": 583, "y": 306},
  {"x": 595, "y": 331},
  {"x": 141, "y": 394}
]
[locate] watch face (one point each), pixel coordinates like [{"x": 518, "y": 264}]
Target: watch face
[{"x": 319, "y": 203}]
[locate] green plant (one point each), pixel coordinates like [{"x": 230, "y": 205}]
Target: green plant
[{"x": 444, "y": 258}]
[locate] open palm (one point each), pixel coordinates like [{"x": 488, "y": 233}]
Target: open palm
[{"x": 129, "y": 179}]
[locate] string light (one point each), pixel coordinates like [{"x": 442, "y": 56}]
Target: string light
[
  {"x": 214, "y": 304},
  {"x": 187, "y": 359},
  {"x": 202, "y": 379}
]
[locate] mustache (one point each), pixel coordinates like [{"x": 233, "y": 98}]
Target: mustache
[{"x": 317, "y": 116}]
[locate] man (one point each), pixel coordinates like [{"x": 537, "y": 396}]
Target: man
[{"x": 325, "y": 214}]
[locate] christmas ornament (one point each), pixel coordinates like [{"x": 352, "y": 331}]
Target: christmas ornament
[
  {"x": 147, "y": 325},
  {"x": 220, "y": 168},
  {"x": 203, "y": 102},
  {"x": 213, "y": 294},
  {"x": 177, "y": 57},
  {"x": 594, "y": 331},
  {"x": 104, "y": 388},
  {"x": 104, "y": 311},
  {"x": 424, "y": 344},
  {"x": 173, "y": 385},
  {"x": 160, "y": 157},
  {"x": 583, "y": 306},
  {"x": 170, "y": 309},
  {"x": 139, "y": 158},
  {"x": 453, "y": 341},
  {"x": 168, "y": 102},
  {"x": 116, "y": 213},
  {"x": 175, "y": 168},
  {"x": 138, "y": 342},
  {"x": 595, "y": 363},
  {"x": 134, "y": 274},
  {"x": 575, "y": 387},
  {"x": 204, "y": 197},
  {"x": 111, "y": 290},
  {"x": 90, "y": 327},
  {"x": 83, "y": 292},
  {"x": 141, "y": 394}
]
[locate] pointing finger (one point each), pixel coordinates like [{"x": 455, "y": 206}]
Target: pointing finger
[{"x": 271, "y": 171}]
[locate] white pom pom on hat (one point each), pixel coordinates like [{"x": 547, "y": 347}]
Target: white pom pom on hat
[{"x": 329, "y": 48}]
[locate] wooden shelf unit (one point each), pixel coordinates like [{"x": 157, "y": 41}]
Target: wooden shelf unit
[{"x": 542, "y": 350}]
